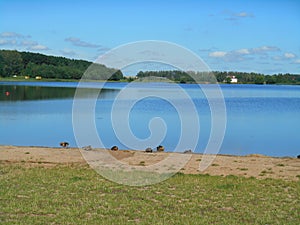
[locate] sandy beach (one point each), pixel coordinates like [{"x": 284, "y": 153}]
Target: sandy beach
[{"x": 257, "y": 166}]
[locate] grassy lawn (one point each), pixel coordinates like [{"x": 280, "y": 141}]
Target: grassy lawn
[{"x": 78, "y": 195}]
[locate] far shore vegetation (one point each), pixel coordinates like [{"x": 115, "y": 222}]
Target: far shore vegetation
[{"x": 20, "y": 66}]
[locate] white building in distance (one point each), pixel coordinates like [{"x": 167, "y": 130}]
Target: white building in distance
[{"x": 233, "y": 79}]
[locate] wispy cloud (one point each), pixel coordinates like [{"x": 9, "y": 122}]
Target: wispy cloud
[
  {"x": 237, "y": 16},
  {"x": 16, "y": 40},
  {"x": 286, "y": 56},
  {"x": 207, "y": 49},
  {"x": 13, "y": 35},
  {"x": 244, "y": 14},
  {"x": 217, "y": 54},
  {"x": 289, "y": 55},
  {"x": 264, "y": 49},
  {"x": 243, "y": 54},
  {"x": 77, "y": 42},
  {"x": 243, "y": 51},
  {"x": 28, "y": 43},
  {"x": 68, "y": 52},
  {"x": 103, "y": 49},
  {"x": 38, "y": 48},
  {"x": 7, "y": 42},
  {"x": 297, "y": 61}
]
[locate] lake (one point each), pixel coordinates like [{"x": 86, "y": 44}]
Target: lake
[{"x": 260, "y": 119}]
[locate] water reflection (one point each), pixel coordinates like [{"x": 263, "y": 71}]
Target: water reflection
[{"x": 26, "y": 93}]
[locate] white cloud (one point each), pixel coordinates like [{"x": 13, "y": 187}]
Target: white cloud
[
  {"x": 244, "y": 14},
  {"x": 13, "y": 35},
  {"x": 285, "y": 56},
  {"x": 277, "y": 58},
  {"x": 237, "y": 16},
  {"x": 77, "y": 42},
  {"x": 207, "y": 49},
  {"x": 16, "y": 40},
  {"x": 297, "y": 61},
  {"x": 68, "y": 52},
  {"x": 264, "y": 49},
  {"x": 217, "y": 54},
  {"x": 289, "y": 55},
  {"x": 243, "y": 51},
  {"x": 232, "y": 56},
  {"x": 38, "y": 47},
  {"x": 28, "y": 43},
  {"x": 5, "y": 42}
]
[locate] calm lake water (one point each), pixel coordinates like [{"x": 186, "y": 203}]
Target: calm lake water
[{"x": 263, "y": 119}]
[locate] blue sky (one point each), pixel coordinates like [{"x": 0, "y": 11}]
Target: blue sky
[{"x": 231, "y": 35}]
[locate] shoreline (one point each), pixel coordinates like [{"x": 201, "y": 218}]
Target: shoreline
[
  {"x": 2, "y": 79},
  {"x": 194, "y": 153},
  {"x": 254, "y": 165}
]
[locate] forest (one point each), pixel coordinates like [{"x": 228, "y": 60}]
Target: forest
[
  {"x": 15, "y": 63},
  {"x": 222, "y": 77}
]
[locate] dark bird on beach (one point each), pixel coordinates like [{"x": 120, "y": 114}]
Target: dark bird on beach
[
  {"x": 160, "y": 148},
  {"x": 188, "y": 151},
  {"x": 298, "y": 156},
  {"x": 148, "y": 150},
  {"x": 64, "y": 144},
  {"x": 114, "y": 148},
  {"x": 87, "y": 148}
]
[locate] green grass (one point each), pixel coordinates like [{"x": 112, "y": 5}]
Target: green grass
[{"x": 78, "y": 195}]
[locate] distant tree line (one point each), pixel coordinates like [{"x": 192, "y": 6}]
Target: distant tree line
[
  {"x": 180, "y": 76},
  {"x": 258, "y": 78},
  {"x": 220, "y": 77},
  {"x": 36, "y": 64}
]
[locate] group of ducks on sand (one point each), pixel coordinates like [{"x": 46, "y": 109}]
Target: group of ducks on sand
[{"x": 159, "y": 148}]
